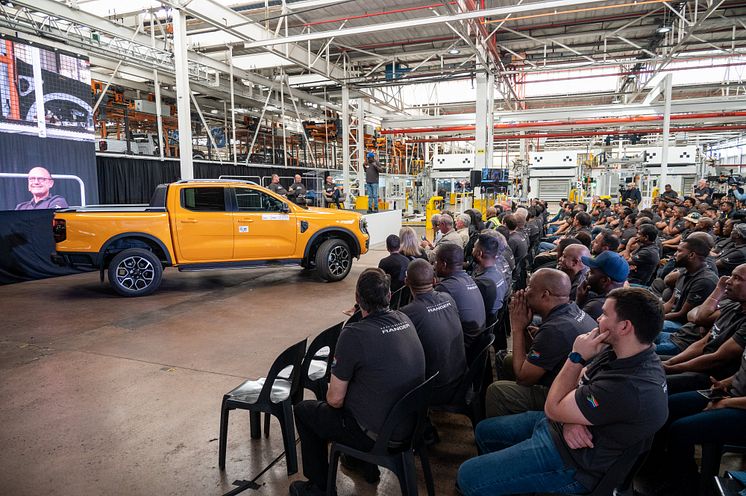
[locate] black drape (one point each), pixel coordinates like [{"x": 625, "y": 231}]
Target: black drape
[
  {"x": 133, "y": 180},
  {"x": 26, "y": 243}
]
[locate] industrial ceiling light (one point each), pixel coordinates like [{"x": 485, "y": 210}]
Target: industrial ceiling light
[
  {"x": 666, "y": 28},
  {"x": 454, "y": 51},
  {"x": 214, "y": 111}
]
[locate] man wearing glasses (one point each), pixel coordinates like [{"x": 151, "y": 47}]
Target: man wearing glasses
[{"x": 39, "y": 183}]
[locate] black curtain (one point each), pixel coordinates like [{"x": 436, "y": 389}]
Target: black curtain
[
  {"x": 133, "y": 180},
  {"x": 26, "y": 244}
]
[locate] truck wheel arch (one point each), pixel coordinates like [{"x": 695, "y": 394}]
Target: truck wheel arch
[
  {"x": 137, "y": 239},
  {"x": 329, "y": 233}
]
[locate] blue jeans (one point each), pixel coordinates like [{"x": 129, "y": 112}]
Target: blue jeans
[
  {"x": 517, "y": 456},
  {"x": 670, "y": 326},
  {"x": 664, "y": 345},
  {"x": 546, "y": 246},
  {"x": 371, "y": 189}
]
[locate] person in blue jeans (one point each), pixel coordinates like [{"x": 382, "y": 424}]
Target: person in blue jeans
[
  {"x": 605, "y": 405},
  {"x": 372, "y": 174},
  {"x": 695, "y": 419}
]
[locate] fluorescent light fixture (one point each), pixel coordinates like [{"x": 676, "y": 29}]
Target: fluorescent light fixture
[
  {"x": 454, "y": 51},
  {"x": 214, "y": 111}
]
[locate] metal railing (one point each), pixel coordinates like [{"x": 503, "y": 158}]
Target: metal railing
[{"x": 19, "y": 175}]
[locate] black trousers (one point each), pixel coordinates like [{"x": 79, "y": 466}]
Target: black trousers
[
  {"x": 318, "y": 424},
  {"x": 687, "y": 381}
]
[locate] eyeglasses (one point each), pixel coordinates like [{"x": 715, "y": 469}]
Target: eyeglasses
[{"x": 38, "y": 179}]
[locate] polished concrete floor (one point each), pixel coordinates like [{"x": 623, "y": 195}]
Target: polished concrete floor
[{"x": 108, "y": 395}]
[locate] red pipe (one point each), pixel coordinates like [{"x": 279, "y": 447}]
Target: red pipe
[
  {"x": 580, "y": 122},
  {"x": 580, "y": 134}
]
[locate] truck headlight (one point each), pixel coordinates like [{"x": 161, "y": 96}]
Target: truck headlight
[{"x": 363, "y": 225}]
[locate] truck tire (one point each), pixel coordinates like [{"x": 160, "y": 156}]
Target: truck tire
[
  {"x": 135, "y": 272},
  {"x": 333, "y": 260}
]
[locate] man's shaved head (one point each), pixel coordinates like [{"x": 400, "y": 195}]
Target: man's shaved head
[
  {"x": 553, "y": 280},
  {"x": 420, "y": 275}
]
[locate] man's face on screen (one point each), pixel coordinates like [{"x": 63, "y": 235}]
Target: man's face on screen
[{"x": 40, "y": 182}]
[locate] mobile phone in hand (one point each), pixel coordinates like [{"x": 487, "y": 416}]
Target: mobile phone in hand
[{"x": 713, "y": 394}]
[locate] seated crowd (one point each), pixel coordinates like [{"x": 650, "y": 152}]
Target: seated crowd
[{"x": 617, "y": 315}]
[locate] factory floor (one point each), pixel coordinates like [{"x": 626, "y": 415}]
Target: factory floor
[{"x": 109, "y": 395}]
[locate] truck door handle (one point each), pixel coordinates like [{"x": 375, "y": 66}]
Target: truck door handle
[
  {"x": 246, "y": 220},
  {"x": 188, "y": 221}
]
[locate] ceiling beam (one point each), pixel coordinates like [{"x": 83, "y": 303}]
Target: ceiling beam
[{"x": 418, "y": 22}]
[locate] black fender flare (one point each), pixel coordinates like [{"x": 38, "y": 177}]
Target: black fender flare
[
  {"x": 147, "y": 236},
  {"x": 345, "y": 233}
]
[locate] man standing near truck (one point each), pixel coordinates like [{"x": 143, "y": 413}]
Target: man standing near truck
[{"x": 372, "y": 172}]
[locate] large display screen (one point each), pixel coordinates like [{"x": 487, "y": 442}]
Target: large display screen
[
  {"x": 47, "y": 154},
  {"x": 495, "y": 175}
]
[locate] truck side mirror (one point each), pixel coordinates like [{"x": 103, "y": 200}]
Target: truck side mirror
[{"x": 285, "y": 208}]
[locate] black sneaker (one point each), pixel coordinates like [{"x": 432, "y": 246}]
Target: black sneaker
[
  {"x": 305, "y": 488},
  {"x": 370, "y": 472}
]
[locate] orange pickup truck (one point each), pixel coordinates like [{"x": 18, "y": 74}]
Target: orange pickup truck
[{"x": 206, "y": 224}]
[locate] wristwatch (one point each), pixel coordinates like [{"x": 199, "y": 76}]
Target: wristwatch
[{"x": 576, "y": 357}]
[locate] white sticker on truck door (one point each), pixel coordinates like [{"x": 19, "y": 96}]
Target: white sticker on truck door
[
  {"x": 275, "y": 217},
  {"x": 243, "y": 229}
]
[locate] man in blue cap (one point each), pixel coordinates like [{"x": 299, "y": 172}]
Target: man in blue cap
[
  {"x": 609, "y": 270},
  {"x": 372, "y": 171}
]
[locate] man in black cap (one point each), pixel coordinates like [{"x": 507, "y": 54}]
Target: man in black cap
[{"x": 608, "y": 271}]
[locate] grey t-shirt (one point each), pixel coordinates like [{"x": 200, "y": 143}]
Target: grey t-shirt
[
  {"x": 626, "y": 402},
  {"x": 491, "y": 276},
  {"x": 382, "y": 358},
  {"x": 372, "y": 171},
  {"x": 468, "y": 298},
  {"x": 435, "y": 317},
  {"x": 555, "y": 338}
]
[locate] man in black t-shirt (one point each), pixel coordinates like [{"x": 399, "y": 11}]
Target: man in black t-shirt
[
  {"x": 435, "y": 318},
  {"x": 669, "y": 193},
  {"x": 735, "y": 254},
  {"x": 395, "y": 265},
  {"x": 537, "y": 353},
  {"x": 376, "y": 362},
  {"x": 643, "y": 262},
  {"x": 604, "y": 406},
  {"x": 571, "y": 263},
  {"x": 297, "y": 191},
  {"x": 449, "y": 263},
  {"x": 491, "y": 282},
  {"x": 702, "y": 192},
  {"x": 717, "y": 353},
  {"x": 608, "y": 272},
  {"x": 695, "y": 284},
  {"x": 331, "y": 193},
  {"x": 276, "y": 187}
]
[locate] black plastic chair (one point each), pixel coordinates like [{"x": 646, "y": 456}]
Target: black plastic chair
[
  {"x": 316, "y": 368},
  {"x": 273, "y": 395},
  {"x": 397, "y": 456},
  {"x": 711, "y": 456},
  {"x": 470, "y": 391}
]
